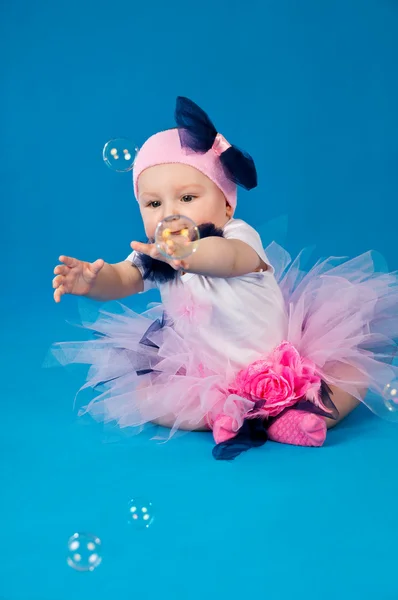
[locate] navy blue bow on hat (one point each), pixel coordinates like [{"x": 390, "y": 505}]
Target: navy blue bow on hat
[{"x": 198, "y": 133}]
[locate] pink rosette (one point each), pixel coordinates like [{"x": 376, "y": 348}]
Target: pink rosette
[{"x": 278, "y": 381}]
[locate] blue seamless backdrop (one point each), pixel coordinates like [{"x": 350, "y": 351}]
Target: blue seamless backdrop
[{"x": 310, "y": 89}]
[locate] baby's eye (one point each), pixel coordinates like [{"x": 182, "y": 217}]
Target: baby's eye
[
  {"x": 154, "y": 203},
  {"x": 187, "y": 198}
]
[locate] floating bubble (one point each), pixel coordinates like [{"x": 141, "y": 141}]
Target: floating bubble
[
  {"x": 119, "y": 154},
  {"x": 390, "y": 395},
  {"x": 84, "y": 552},
  {"x": 140, "y": 515},
  {"x": 177, "y": 237}
]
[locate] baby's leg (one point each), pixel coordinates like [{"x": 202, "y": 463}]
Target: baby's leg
[{"x": 344, "y": 402}]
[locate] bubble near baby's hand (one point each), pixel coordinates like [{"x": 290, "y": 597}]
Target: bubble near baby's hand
[
  {"x": 120, "y": 154},
  {"x": 177, "y": 237}
]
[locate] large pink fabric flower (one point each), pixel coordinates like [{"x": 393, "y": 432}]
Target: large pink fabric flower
[{"x": 278, "y": 380}]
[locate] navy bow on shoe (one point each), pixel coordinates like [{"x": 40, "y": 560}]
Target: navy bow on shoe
[{"x": 198, "y": 133}]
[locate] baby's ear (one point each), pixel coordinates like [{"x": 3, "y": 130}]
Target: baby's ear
[{"x": 228, "y": 209}]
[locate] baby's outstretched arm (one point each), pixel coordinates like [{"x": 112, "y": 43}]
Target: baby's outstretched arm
[
  {"x": 220, "y": 257},
  {"x": 214, "y": 257},
  {"x": 97, "y": 280}
]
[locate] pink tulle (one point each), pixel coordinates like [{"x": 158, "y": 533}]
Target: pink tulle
[
  {"x": 343, "y": 316},
  {"x": 342, "y": 328}
]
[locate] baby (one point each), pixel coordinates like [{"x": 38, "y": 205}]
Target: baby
[{"x": 244, "y": 343}]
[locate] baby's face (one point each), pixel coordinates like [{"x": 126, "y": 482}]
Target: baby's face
[{"x": 175, "y": 189}]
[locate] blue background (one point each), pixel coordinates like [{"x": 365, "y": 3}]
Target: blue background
[{"x": 310, "y": 89}]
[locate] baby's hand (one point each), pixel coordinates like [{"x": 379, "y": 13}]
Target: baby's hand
[
  {"x": 152, "y": 251},
  {"x": 75, "y": 276}
]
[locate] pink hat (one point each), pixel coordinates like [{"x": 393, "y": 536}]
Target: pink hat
[{"x": 195, "y": 142}]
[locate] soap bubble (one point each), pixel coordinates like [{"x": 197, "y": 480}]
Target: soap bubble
[
  {"x": 119, "y": 154},
  {"x": 390, "y": 395},
  {"x": 140, "y": 513},
  {"x": 84, "y": 552},
  {"x": 177, "y": 237}
]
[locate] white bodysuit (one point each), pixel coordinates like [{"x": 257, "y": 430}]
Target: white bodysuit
[{"x": 239, "y": 318}]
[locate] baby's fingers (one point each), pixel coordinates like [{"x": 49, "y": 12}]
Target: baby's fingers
[
  {"x": 96, "y": 266},
  {"x": 69, "y": 261},
  {"x": 59, "y": 292},
  {"x": 180, "y": 265},
  {"x": 61, "y": 270},
  {"x": 57, "y": 281},
  {"x": 148, "y": 249}
]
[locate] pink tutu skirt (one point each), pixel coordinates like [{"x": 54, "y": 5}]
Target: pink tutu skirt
[{"x": 342, "y": 321}]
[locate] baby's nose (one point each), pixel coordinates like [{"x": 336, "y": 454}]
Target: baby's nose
[{"x": 170, "y": 211}]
